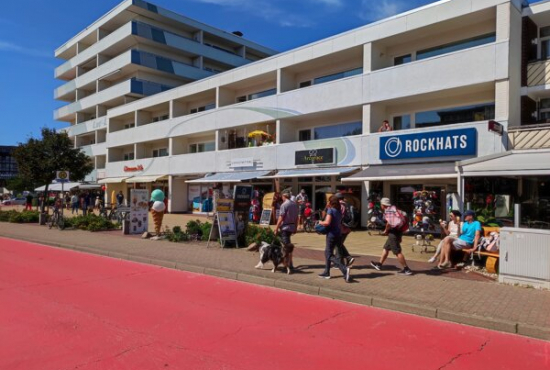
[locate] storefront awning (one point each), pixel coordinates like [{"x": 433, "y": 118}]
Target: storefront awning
[
  {"x": 411, "y": 171},
  {"x": 229, "y": 177},
  {"x": 112, "y": 180},
  {"x": 511, "y": 163},
  {"x": 59, "y": 187},
  {"x": 312, "y": 172},
  {"x": 142, "y": 179}
]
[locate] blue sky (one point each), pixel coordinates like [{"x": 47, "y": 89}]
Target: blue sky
[{"x": 30, "y": 31}]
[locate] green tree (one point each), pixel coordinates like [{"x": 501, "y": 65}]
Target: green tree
[
  {"x": 18, "y": 185},
  {"x": 39, "y": 159}
]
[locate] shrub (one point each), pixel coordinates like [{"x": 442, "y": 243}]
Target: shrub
[
  {"x": 193, "y": 227},
  {"x": 206, "y": 227},
  {"x": 176, "y": 235},
  {"x": 90, "y": 222},
  {"x": 19, "y": 217},
  {"x": 257, "y": 234}
]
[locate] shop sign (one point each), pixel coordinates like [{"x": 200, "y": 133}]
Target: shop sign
[
  {"x": 241, "y": 162},
  {"x": 242, "y": 195},
  {"x": 224, "y": 205},
  {"x": 451, "y": 143},
  {"x": 133, "y": 169},
  {"x": 315, "y": 156}
]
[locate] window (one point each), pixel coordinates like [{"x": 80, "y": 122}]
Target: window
[
  {"x": 202, "y": 147},
  {"x": 305, "y": 84},
  {"x": 456, "y": 46},
  {"x": 160, "y": 153},
  {"x": 402, "y": 122},
  {"x": 402, "y": 59},
  {"x": 449, "y": 116},
  {"x": 160, "y": 118},
  {"x": 203, "y": 108},
  {"x": 129, "y": 156},
  {"x": 545, "y": 43},
  {"x": 257, "y": 95},
  {"x": 344, "y": 129},
  {"x": 337, "y": 76},
  {"x": 544, "y": 109},
  {"x": 304, "y": 135},
  {"x": 128, "y": 125}
]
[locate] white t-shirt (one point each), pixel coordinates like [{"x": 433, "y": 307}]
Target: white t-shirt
[{"x": 453, "y": 229}]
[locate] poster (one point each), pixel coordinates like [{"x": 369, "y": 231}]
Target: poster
[
  {"x": 226, "y": 223},
  {"x": 139, "y": 211},
  {"x": 224, "y": 205},
  {"x": 242, "y": 197},
  {"x": 265, "y": 220}
]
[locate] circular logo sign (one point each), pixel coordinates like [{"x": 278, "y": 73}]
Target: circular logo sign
[
  {"x": 62, "y": 175},
  {"x": 393, "y": 147}
]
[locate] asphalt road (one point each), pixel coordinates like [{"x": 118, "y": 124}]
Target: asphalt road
[{"x": 61, "y": 310}]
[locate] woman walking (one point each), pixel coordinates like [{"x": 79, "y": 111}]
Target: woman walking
[{"x": 333, "y": 240}]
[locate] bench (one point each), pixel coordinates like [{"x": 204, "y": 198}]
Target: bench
[{"x": 491, "y": 263}]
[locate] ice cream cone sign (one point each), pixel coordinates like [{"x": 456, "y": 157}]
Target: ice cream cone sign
[{"x": 157, "y": 210}]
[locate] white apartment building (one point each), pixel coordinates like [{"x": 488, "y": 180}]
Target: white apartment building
[
  {"x": 136, "y": 50},
  {"x": 439, "y": 74}
]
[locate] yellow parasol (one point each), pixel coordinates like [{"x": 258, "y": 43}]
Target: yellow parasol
[
  {"x": 113, "y": 199},
  {"x": 258, "y": 133}
]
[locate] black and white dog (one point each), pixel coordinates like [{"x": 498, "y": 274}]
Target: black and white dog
[{"x": 273, "y": 253}]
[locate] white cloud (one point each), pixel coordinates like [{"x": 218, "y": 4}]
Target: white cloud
[
  {"x": 14, "y": 48},
  {"x": 373, "y": 10},
  {"x": 329, "y": 2},
  {"x": 268, "y": 11}
]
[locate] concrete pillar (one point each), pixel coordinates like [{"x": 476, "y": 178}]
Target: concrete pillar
[
  {"x": 278, "y": 131},
  {"x": 365, "y": 191}
]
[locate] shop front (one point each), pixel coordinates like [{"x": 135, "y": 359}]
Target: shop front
[{"x": 493, "y": 185}]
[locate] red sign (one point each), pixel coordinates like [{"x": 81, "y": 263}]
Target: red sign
[{"x": 133, "y": 169}]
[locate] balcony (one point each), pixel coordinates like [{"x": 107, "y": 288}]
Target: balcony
[
  {"x": 94, "y": 149},
  {"x": 529, "y": 137},
  {"x": 538, "y": 73},
  {"x": 86, "y": 127},
  {"x": 468, "y": 67}
]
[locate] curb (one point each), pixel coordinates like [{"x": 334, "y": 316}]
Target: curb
[{"x": 404, "y": 307}]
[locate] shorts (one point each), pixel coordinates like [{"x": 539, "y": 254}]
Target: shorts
[
  {"x": 461, "y": 244},
  {"x": 301, "y": 209},
  {"x": 393, "y": 243},
  {"x": 285, "y": 237}
]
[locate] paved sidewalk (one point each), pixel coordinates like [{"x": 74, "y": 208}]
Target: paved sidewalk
[{"x": 446, "y": 296}]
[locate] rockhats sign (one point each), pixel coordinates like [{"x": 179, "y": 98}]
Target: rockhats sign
[{"x": 430, "y": 144}]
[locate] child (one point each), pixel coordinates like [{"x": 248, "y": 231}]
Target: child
[{"x": 308, "y": 211}]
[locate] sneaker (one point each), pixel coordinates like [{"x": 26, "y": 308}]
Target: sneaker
[
  {"x": 460, "y": 264},
  {"x": 432, "y": 260},
  {"x": 350, "y": 261},
  {"x": 348, "y": 276},
  {"x": 324, "y": 276},
  {"x": 406, "y": 271},
  {"x": 376, "y": 265}
]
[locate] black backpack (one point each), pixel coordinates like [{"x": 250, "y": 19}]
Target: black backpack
[{"x": 349, "y": 218}]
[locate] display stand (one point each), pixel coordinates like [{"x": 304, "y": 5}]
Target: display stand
[
  {"x": 224, "y": 225},
  {"x": 265, "y": 220}
]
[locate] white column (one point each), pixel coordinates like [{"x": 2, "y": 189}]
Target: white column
[{"x": 365, "y": 191}]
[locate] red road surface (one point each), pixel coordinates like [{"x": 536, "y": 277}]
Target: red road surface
[{"x": 66, "y": 310}]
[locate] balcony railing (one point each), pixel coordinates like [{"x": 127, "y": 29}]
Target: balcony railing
[
  {"x": 529, "y": 137},
  {"x": 538, "y": 73}
]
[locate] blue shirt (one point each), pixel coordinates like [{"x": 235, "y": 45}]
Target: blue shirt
[
  {"x": 469, "y": 231},
  {"x": 336, "y": 219}
]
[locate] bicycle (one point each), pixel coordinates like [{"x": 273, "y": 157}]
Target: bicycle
[
  {"x": 57, "y": 220},
  {"x": 309, "y": 222}
]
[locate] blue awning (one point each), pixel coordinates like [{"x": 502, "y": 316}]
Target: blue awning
[{"x": 229, "y": 177}]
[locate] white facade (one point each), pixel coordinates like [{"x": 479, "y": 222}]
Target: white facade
[
  {"x": 137, "y": 50},
  {"x": 446, "y": 68}
]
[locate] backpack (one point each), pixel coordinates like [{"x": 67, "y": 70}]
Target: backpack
[
  {"x": 321, "y": 229},
  {"x": 349, "y": 218},
  {"x": 403, "y": 224}
]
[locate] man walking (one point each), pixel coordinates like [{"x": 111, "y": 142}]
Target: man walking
[
  {"x": 288, "y": 218},
  {"x": 28, "y": 202},
  {"x": 342, "y": 251},
  {"x": 119, "y": 198},
  {"x": 394, "y": 222},
  {"x": 301, "y": 200}
]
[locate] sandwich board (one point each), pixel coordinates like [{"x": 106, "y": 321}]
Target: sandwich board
[
  {"x": 265, "y": 219},
  {"x": 224, "y": 226}
]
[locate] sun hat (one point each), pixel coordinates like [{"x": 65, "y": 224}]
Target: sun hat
[{"x": 385, "y": 202}]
